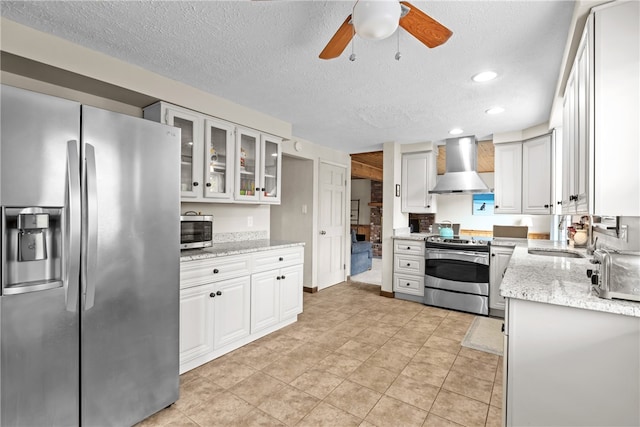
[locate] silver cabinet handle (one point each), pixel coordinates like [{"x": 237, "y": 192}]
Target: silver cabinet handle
[
  {"x": 90, "y": 249},
  {"x": 73, "y": 223}
]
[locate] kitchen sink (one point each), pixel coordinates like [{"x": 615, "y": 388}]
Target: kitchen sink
[{"x": 566, "y": 253}]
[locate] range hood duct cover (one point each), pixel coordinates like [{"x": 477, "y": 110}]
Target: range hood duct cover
[{"x": 461, "y": 166}]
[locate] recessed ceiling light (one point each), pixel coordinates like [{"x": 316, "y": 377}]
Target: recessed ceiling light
[
  {"x": 484, "y": 76},
  {"x": 456, "y": 131},
  {"x": 495, "y": 110}
]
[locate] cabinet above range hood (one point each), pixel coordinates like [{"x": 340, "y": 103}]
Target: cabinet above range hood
[{"x": 461, "y": 165}]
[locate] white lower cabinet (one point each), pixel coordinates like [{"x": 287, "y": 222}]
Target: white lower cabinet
[
  {"x": 196, "y": 322},
  {"x": 568, "y": 366},
  {"x": 276, "y": 295},
  {"x": 212, "y": 316},
  {"x": 500, "y": 257},
  {"x": 290, "y": 291},
  {"x": 265, "y": 300},
  {"x": 219, "y": 313},
  {"x": 408, "y": 269},
  {"x": 231, "y": 312}
]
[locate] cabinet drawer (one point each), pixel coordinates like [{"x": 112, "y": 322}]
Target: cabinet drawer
[
  {"x": 193, "y": 273},
  {"x": 277, "y": 258},
  {"x": 408, "y": 247},
  {"x": 406, "y": 284},
  {"x": 408, "y": 264}
]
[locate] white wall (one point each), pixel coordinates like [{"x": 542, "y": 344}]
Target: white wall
[
  {"x": 392, "y": 216},
  {"x": 293, "y": 218},
  {"x": 361, "y": 190},
  {"x": 457, "y": 208}
]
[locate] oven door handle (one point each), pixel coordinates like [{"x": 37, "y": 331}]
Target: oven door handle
[{"x": 473, "y": 257}]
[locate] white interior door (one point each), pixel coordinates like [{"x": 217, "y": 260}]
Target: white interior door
[{"x": 331, "y": 225}]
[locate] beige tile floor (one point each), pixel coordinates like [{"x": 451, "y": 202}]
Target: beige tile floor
[{"x": 354, "y": 358}]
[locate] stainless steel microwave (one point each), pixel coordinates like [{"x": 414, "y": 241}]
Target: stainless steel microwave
[{"x": 196, "y": 231}]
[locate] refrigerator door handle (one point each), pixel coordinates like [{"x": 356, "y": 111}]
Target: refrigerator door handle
[
  {"x": 73, "y": 224},
  {"x": 90, "y": 250}
]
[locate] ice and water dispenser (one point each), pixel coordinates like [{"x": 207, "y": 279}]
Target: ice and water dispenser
[{"x": 32, "y": 249}]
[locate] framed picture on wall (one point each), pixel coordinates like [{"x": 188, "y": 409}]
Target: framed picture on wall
[{"x": 483, "y": 204}]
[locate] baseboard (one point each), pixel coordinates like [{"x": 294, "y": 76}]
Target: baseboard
[
  {"x": 386, "y": 294},
  {"x": 310, "y": 290}
]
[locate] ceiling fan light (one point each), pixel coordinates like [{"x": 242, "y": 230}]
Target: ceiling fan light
[
  {"x": 484, "y": 76},
  {"x": 495, "y": 110},
  {"x": 376, "y": 20}
]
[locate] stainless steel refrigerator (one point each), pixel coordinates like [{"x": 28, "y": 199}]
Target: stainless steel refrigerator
[{"x": 89, "y": 309}]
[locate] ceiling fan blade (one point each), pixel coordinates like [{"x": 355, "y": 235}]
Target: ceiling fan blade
[
  {"x": 339, "y": 41},
  {"x": 423, "y": 27}
]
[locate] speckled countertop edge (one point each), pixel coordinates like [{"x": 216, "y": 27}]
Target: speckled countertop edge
[
  {"x": 412, "y": 236},
  {"x": 236, "y": 248},
  {"x": 556, "y": 280}
]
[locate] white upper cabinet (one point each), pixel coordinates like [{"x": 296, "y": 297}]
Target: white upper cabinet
[
  {"x": 191, "y": 144},
  {"x": 536, "y": 175},
  {"x": 601, "y": 136},
  {"x": 258, "y": 167},
  {"x": 508, "y": 178},
  {"x": 419, "y": 172},
  {"x": 617, "y": 109},
  {"x": 218, "y": 164},
  {"x": 523, "y": 177},
  {"x": 247, "y": 164},
  {"x": 271, "y": 168},
  {"x": 576, "y": 134},
  {"x": 221, "y": 162}
]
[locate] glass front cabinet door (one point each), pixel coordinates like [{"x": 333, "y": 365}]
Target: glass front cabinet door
[
  {"x": 190, "y": 150},
  {"x": 271, "y": 168},
  {"x": 247, "y": 165},
  {"x": 258, "y": 163},
  {"x": 218, "y": 155}
]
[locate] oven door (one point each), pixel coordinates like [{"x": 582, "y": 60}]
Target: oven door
[{"x": 457, "y": 270}]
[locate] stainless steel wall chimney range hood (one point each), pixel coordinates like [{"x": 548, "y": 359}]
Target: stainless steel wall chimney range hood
[{"x": 461, "y": 165}]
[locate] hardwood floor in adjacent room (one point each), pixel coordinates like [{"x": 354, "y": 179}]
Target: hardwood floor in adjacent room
[{"x": 354, "y": 358}]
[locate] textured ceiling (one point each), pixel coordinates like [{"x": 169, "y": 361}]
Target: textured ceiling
[{"x": 264, "y": 55}]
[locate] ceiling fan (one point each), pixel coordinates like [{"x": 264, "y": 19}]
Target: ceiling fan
[{"x": 379, "y": 19}]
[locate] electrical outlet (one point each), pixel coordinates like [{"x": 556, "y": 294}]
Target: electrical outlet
[
  {"x": 304, "y": 209},
  {"x": 249, "y": 221}
]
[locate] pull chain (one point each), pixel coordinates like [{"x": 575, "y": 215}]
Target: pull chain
[
  {"x": 398, "y": 55},
  {"x": 352, "y": 57}
]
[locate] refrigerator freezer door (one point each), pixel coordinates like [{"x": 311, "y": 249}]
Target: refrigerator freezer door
[
  {"x": 39, "y": 332},
  {"x": 130, "y": 335}
]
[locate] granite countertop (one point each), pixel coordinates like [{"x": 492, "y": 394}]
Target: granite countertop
[
  {"x": 556, "y": 280},
  {"x": 236, "y": 248}
]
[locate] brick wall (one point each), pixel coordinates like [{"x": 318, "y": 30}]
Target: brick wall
[
  {"x": 424, "y": 220},
  {"x": 376, "y": 218}
]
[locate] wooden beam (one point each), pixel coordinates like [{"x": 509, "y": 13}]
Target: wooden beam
[{"x": 361, "y": 170}]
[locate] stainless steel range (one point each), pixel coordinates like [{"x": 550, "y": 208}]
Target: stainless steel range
[{"x": 457, "y": 274}]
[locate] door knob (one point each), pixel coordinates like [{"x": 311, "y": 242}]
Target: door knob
[
  {"x": 212, "y": 295},
  {"x": 323, "y": 232},
  {"x": 219, "y": 293}
]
